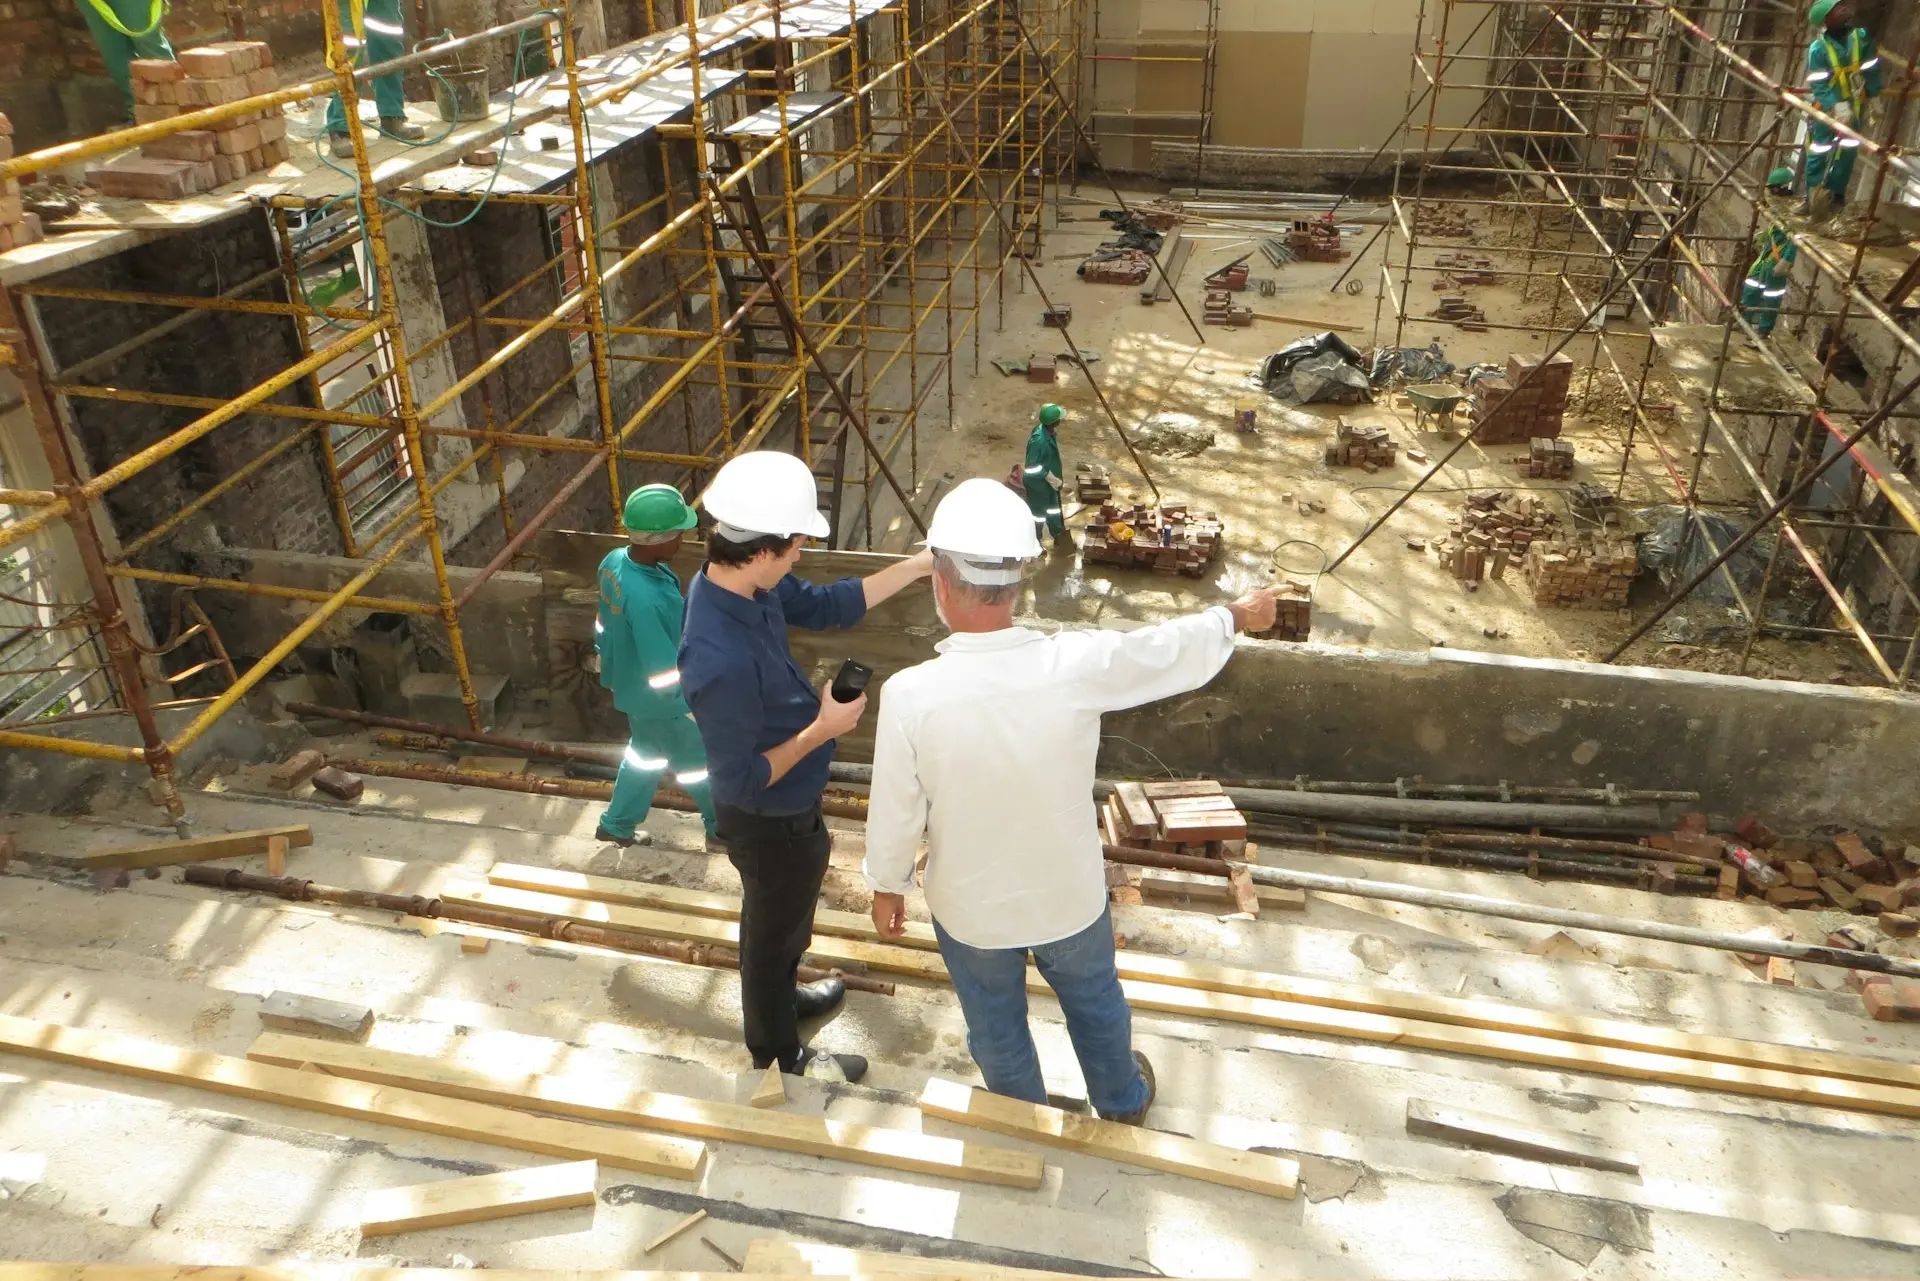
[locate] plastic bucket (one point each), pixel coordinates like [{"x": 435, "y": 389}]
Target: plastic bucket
[{"x": 460, "y": 92}]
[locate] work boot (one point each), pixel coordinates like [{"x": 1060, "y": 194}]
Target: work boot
[
  {"x": 1820, "y": 204},
  {"x": 398, "y": 127},
  {"x": 811, "y": 1000},
  {"x": 1140, "y": 1117},
  {"x": 602, "y": 835},
  {"x": 341, "y": 145}
]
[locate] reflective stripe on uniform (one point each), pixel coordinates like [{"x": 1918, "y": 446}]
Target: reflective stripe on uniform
[
  {"x": 1870, "y": 63},
  {"x": 1777, "y": 293},
  {"x": 665, "y": 680},
  {"x": 1753, "y": 282},
  {"x": 691, "y": 777},
  {"x": 1849, "y": 142},
  {"x": 1035, "y": 471},
  {"x": 638, "y": 761},
  {"x": 1819, "y": 148},
  {"x": 1819, "y": 75},
  {"x": 384, "y": 28}
]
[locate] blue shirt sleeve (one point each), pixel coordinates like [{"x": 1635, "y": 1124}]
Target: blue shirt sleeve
[
  {"x": 820, "y": 609},
  {"x": 728, "y": 710}
]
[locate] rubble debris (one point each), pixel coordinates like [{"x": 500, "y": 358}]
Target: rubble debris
[
  {"x": 1293, "y": 612},
  {"x": 1494, "y": 528},
  {"x": 1166, "y": 540},
  {"x": 1361, "y": 446},
  {"x": 1547, "y": 459},
  {"x": 1173, "y": 435},
  {"x": 1436, "y": 219},
  {"x": 1463, "y": 270},
  {"x": 1889, "y": 1000}
]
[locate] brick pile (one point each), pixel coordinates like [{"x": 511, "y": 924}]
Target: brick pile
[
  {"x": 18, "y": 225},
  {"x": 197, "y": 160},
  {"x": 1459, "y": 312},
  {"x": 1194, "y": 817},
  {"x": 1547, "y": 459},
  {"x": 1293, "y": 615},
  {"x": 1445, "y": 221},
  {"x": 1117, "y": 267},
  {"x": 1369, "y": 448},
  {"x": 1094, "y": 483},
  {"x": 1218, "y": 308},
  {"x": 1842, "y": 871},
  {"x": 1506, "y": 413},
  {"x": 1233, "y": 279},
  {"x": 1166, "y": 540},
  {"x": 1162, "y": 213},
  {"x": 1587, "y": 571},
  {"x": 1494, "y": 528},
  {"x": 1316, "y": 240}
]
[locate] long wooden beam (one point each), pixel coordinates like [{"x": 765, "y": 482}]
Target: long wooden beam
[
  {"x": 598, "y": 1099},
  {"x": 1149, "y": 967},
  {"x": 673, "y": 1158},
  {"x": 1298, "y": 1015},
  {"x": 479, "y": 1198},
  {"x": 169, "y": 853}
]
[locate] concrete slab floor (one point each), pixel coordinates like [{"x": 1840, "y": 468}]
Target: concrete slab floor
[
  {"x": 103, "y": 1167},
  {"x": 1388, "y": 595}
]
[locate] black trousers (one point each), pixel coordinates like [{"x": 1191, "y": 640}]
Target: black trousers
[{"x": 781, "y": 862}]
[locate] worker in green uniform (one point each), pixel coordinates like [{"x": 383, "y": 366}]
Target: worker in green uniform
[
  {"x": 1843, "y": 78},
  {"x": 1765, "y": 290},
  {"x": 373, "y": 33},
  {"x": 1041, "y": 477},
  {"x": 638, "y": 636},
  {"x": 124, "y": 30}
]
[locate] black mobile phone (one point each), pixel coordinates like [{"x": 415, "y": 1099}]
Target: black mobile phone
[{"x": 850, "y": 682}]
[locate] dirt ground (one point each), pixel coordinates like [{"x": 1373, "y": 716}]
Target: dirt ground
[{"x": 1155, "y": 371}]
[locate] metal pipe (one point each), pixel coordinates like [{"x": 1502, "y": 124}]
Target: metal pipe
[
  {"x": 1570, "y": 866},
  {"x": 1502, "y": 790},
  {"x": 527, "y": 745},
  {"x": 1394, "y": 809},
  {"x": 300, "y": 890}
]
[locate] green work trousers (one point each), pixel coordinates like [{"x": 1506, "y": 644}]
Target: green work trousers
[
  {"x": 117, "y": 50},
  {"x": 385, "y": 40}
]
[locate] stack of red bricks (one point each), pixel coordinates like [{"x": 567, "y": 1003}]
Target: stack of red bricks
[
  {"x": 1587, "y": 571},
  {"x": 1095, "y": 483},
  {"x": 1117, "y": 267},
  {"x": 18, "y": 226},
  {"x": 1186, "y": 816},
  {"x": 1506, "y": 413},
  {"x": 1369, "y": 448},
  {"x": 1316, "y": 240},
  {"x": 1547, "y": 459},
  {"x": 1217, "y": 308},
  {"x": 1293, "y": 612},
  {"x": 1167, "y": 540},
  {"x": 1493, "y": 528},
  {"x": 197, "y": 160}
]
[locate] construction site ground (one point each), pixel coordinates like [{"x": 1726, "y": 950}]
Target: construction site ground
[
  {"x": 1388, "y": 596},
  {"x": 106, "y": 1167}
]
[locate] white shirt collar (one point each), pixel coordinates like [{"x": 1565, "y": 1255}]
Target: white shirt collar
[{"x": 987, "y": 642}]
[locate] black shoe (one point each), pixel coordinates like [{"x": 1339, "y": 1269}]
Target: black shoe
[
  {"x": 811, "y": 1000},
  {"x": 624, "y": 842},
  {"x": 1140, "y": 1117}
]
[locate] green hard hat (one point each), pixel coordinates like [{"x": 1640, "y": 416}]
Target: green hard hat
[
  {"x": 1821, "y": 8},
  {"x": 657, "y": 509},
  {"x": 1781, "y": 177},
  {"x": 1051, "y": 414}
]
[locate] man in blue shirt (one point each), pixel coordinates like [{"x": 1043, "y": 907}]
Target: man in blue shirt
[
  {"x": 637, "y": 634},
  {"x": 769, "y": 734}
]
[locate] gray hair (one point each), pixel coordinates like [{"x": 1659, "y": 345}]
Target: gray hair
[{"x": 954, "y": 571}]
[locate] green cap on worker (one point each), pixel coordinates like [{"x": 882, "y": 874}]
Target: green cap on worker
[
  {"x": 1051, "y": 414},
  {"x": 657, "y": 509},
  {"x": 1821, "y": 8},
  {"x": 1781, "y": 177}
]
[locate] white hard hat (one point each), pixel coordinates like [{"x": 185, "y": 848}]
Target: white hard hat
[
  {"x": 987, "y": 528},
  {"x": 765, "y": 492}
]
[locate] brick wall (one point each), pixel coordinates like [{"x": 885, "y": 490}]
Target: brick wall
[{"x": 221, "y": 354}]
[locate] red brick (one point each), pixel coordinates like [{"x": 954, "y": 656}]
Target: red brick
[
  {"x": 208, "y": 63},
  {"x": 256, "y": 160},
  {"x": 1888, "y": 1000},
  {"x": 262, "y": 80},
  {"x": 241, "y": 55},
  {"x": 275, "y": 152},
  {"x": 272, "y": 129},
  {"x": 6, "y": 238},
  {"x": 146, "y": 113},
  {"x": 189, "y": 144},
  {"x": 224, "y": 90},
  {"x": 156, "y": 70},
  {"x": 235, "y": 142},
  {"x": 1899, "y": 924},
  {"x": 1855, "y": 851},
  {"x": 205, "y": 176},
  {"x": 224, "y": 170},
  {"x": 35, "y": 232},
  {"x": 6, "y": 148},
  {"x": 142, "y": 179}
]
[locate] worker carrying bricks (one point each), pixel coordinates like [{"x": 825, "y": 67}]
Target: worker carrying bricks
[
  {"x": 637, "y": 633},
  {"x": 1042, "y": 476},
  {"x": 373, "y": 32},
  {"x": 124, "y": 30},
  {"x": 1765, "y": 290},
  {"x": 1843, "y": 78},
  {"x": 988, "y": 752},
  {"x": 770, "y": 735}
]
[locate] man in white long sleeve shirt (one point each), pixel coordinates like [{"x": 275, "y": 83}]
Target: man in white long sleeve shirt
[{"x": 989, "y": 751}]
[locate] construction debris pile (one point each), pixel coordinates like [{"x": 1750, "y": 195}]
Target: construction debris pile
[
  {"x": 1494, "y": 528},
  {"x": 1094, "y": 483},
  {"x": 1843, "y": 871},
  {"x": 1366, "y": 447},
  {"x": 196, "y": 160},
  {"x": 1293, "y": 613},
  {"x": 1166, "y": 540},
  {"x": 1506, "y": 413},
  {"x": 1433, "y": 219},
  {"x": 1463, "y": 270},
  {"x": 1116, "y": 267},
  {"x": 1583, "y": 571},
  {"x": 1547, "y": 459},
  {"x": 1181, "y": 816},
  {"x": 1317, "y": 240}
]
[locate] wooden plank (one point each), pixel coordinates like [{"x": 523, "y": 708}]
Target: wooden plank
[
  {"x": 770, "y": 1091},
  {"x": 288, "y": 1271},
  {"x": 1194, "y": 805},
  {"x": 1498, "y": 1134},
  {"x": 1169, "y": 789},
  {"x": 1128, "y": 1144},
  {"x": 1162, "y": 884},
  {"x": 767, "y": 1257},
  {"x": 449, "y": 1202},
  {"x": 693, "y": 1220},
  {"x": 1197, "y": 829},
  {"x": 600, "y": 1098},
  {"x": 315, "y": 1015},
  {"x": 898, "y": 956},
  {"x": 199, "y": 850},
  {"x": 318, "y": 1092},
  {"x": 1136, "y": 808},
  {"x": 276, "y": 856}
]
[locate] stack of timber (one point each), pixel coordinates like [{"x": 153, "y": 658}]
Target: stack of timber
[{"x": 1185, "y": 816}]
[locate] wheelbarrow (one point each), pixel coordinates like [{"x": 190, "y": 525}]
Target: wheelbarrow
[{"x": 1435, "y": 402}]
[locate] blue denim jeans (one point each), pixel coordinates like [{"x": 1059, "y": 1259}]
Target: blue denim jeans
[{"x": 992, "y": 986}]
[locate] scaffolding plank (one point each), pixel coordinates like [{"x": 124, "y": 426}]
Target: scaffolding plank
[
  {"x": 447, "y": 1203},
  {"x": 1129, "y": 1144},
  {"x": 170, "y": 853},
  {"x": 672, "y": 1158},
  {"x": 600, "y": 1099},
  {"x": 1498, "y": 1134}
]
